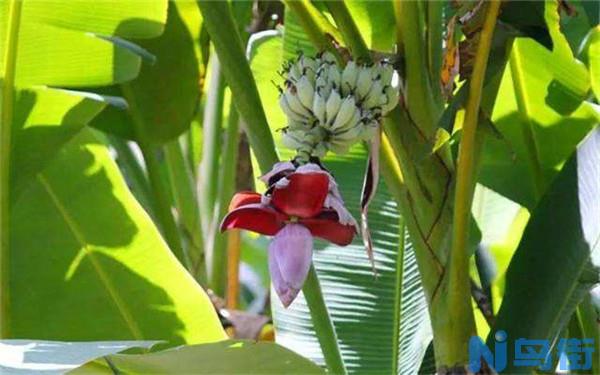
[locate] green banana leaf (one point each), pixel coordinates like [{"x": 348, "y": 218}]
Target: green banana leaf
[
  {"x": 64, "y": 44},
  {"x": 381, "y": 320},
  {"x": 57, "y": 357},
  {"x": 375, "y": 20},
  {"x": 69, "y": 44},
  {"x": 164, "y": 97},
  {"x": 557, "y": 262},
  {"x": 535, "y": 139},
  {"x": 44, "y": 120},
  {"x": 225, "y": 357},
  {"x": 88, "y": 259}
]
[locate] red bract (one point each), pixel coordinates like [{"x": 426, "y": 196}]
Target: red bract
[
  {"x": 299, "y": 205},
  {"x": 300, "y": 201}
]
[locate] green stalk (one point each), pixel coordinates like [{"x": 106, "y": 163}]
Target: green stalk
[
  {"x": 459, "y": 298},
  {"x": 136, "y": 175},
  {"x": 230, "y": 49},
  {"x": 211, "y": 149},
  {"x": 226, "y": 186},
  {"x": 6, "y": 115},
  {"x": 186, "y": 202},
  {"x": 160, "y": 193},
  {"x": 422, "y": 108},
  {"x": 322, "y": 323},
  {"x": 318, "y": 29},
  {"x": 435, "y": 23},
  {"x": 349, "y": 30}
]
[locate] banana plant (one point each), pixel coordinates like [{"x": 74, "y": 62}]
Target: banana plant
[{"x": 427, "y": 170}]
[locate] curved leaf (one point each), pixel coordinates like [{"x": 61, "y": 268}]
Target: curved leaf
[
  {"x": 44, "y": 120},
  {"x": 558, "y": 260},
  {"x": 225, "y": 357},
  {"x": 90, "y": 261},
  {"x": 536, "y": 138},
  {"x": 164, "y": 96},
  {"x": 57, "y": 357},
  {"x": 61, "y": 45}
]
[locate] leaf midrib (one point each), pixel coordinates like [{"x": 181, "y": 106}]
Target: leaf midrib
[
  {"x": 516, "y": 68},
  {"x": 80, "y": 238},
  {"x": 7, "y": 87}
]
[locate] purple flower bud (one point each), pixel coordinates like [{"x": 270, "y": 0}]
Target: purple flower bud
[
  {"x": 290, "y": 256},
  {"x": 279, "y": 168}
]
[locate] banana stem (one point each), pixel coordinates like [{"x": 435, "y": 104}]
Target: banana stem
[
  {"x": 161, "y": 199},
  {"x": 322, "y": 323},
  {"x": 459, "y": 301}
]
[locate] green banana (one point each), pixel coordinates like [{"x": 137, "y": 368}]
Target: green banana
[
  {"x": 305, "y": 91},
  {"x": 349, "y": 77},
  {"x": 318, "y": 107},
  {"x": 347, "y": 109},
  {"x": 332, "y": 106}
]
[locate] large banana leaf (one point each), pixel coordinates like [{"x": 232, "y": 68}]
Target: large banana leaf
[
  {"x": 557, "y": 261},
  {"x": 45, "y": 119},
  {"x": 225, "y": 357},
  {"x": 375, "y": 21},
  {"x": 535, "y": 139},
  {"x": 381, "y": 320},
  {"x": 75, "y": 231},
  {"x": 67, "y": 44},
  {"x": 89, "y": 264},
  {"x": 71, "y": 43},
  {"x": 164, "y": 97}
]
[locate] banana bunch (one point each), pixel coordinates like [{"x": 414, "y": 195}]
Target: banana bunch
[{"x": 330, "y": 107}]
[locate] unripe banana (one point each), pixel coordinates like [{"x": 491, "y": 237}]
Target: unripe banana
[
  {"x": 293, "y": 139},
  {"x": 340, "y": 147},
  {"x": 328, "y": 58},
  {"x": 291, "y": 114},
  {"x": 297, "y": 126},
  {"x": 332, "y": 106},
  {"x": 351, "y": 134},
  {"x": 387, "y": 72},
  {"x": 318, "y": 107},
  {"x": 305, "y": 91},
  {"x": 392, "y": 95},
  {"x": 364, "y": 81},
  {"x": 294, "y": 73},
  {"x": 369, "y": 130},
  {"x": 345, "y": 113},
  {"x": 334, "y": 76},
  {"x": 349, "y": 77},
  {"x": 307, "y": 63},
  {"x": 354, "y": 121},
  {"x": 295, "y": 103},
  {"x": 321, "y": 80},
  {"x": 374, "y": 95}
]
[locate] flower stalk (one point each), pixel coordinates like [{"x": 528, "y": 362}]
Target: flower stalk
[{"x": 322, "y": 323}]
